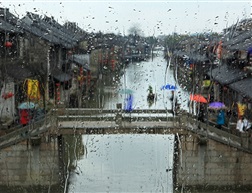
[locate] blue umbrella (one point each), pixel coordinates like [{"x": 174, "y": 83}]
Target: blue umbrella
[
  {"x": 169, "y": 87},
  {"x": 129, "y": 102},
  {"x": 27, "y": 105}
]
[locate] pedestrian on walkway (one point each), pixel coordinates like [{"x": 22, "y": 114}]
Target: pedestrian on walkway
[
  {"x": 129, "y": 103},
  {"x": 246, "y": 124},
  {"x": 174, "y": 104},
  {"x": 201, "y": 115},
  {"x": 220, "y": 118},
  {"x": 239, "y": 124}
]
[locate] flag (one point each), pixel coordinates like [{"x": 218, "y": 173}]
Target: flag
[
  {"x": 33, "y": 89},
  {"x": 241, "y": 109}
]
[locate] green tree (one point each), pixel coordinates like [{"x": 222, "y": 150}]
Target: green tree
[{"x": 135, "y": 30}]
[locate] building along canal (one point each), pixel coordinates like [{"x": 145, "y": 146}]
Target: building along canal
[{"x": 167, "y": 161}]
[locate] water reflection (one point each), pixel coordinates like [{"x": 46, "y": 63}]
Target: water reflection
[
  {"x": 136, "y": 77},
  {"x": 124, "y": 163},
  {"x": 129, "y": 163}
]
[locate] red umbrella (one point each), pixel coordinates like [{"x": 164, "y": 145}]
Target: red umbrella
[{"x": 198, "y": 98}]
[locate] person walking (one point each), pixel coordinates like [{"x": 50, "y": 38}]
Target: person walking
[
  {"x": 246, "y": 124},
  {"x": 239, "y": 124},
  {"x": 174, "y": 104},
  {"x": 201, "y": 115},
  {"x": 220, "y": 118},
  {"x": 129, "y": 103}
]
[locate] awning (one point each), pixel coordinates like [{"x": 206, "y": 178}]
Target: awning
[
  {"x": 17, "y": 71},
  {"x": 243, "y": 86},
  {"x": 193, "y": 56},
  {"x": 81, "y": 59},
  {"x": 199, "y": 58},
  {"x": 61, "y": 76},
  {"x": 225, "y": 74},
  {"x": 180, "y": 53}
]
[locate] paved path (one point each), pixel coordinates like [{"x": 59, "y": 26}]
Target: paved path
[{"x": 112, "y": 124}]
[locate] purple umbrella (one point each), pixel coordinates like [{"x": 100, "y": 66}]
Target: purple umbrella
[
  {"x": 216, "y": 105},
  {"x": 250, "y": 50}
]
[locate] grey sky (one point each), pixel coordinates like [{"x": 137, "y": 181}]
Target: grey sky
[{"x": 153, "y": 17}]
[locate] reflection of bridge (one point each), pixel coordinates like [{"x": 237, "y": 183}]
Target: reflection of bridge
[{"x": 202, "y": 151}]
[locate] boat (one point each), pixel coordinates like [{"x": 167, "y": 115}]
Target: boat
[{"x": 151, "y": 95}]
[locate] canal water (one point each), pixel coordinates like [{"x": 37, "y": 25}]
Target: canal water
[
  {"x": 130, "y": 162},
  {"x": 127, "y": 162},
  {"x": 135, "y": 80},
  {"x": 124, "y": 163}
]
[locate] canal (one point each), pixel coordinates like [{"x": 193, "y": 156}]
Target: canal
[
  {"x": 135, "y": 79},
  {"x": 138, "y": 77},
  {"x": 130, "y": 163},
  {"x": 124, "y": 163}
]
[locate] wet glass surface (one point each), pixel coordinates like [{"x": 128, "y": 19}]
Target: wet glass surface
[
  {"x": 91, "y": 66},
  {"x": 137, "y": 77},
  {"x": 124, "y": 163}
]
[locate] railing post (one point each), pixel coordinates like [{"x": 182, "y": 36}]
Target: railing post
[
  {"x": 245, "y": 140},
  {"x": 182, "y": 120},
  {"x": 249, "y": 140},
  {"x": 118, "y": 118}
]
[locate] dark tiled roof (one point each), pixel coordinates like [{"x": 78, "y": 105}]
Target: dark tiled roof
[
  {"x": 225, "y": 74},
  {"x": 243, "y": 86},
  {"x": 5, "y": 26},
  {"x": 47, "y": 29},
  {"x": 244, "y": 45},
  {"x": 8, "y": 21},
  {"x": 237, "y": 38},
  {"x": 241, "y": 41},
  {"x": 67, "y": 33},
  {"x": 27, "y": 26}
]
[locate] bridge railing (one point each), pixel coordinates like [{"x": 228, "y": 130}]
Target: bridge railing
[
  {"x": 224, "y": 135},
  {"x": 20, "y": 133},
  {"x": 183, "y": 120},
  {"x": 71, "y": 114}
]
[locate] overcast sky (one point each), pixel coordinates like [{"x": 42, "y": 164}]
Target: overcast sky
[{"x": 152, "y": 17}]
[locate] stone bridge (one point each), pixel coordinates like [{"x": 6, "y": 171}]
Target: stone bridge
[{"x": 204, "y": 156}]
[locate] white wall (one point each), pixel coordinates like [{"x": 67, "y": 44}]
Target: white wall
[{"x": 7, "y": 106}]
